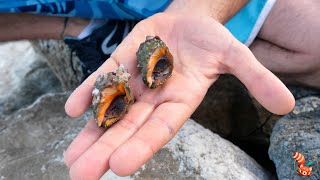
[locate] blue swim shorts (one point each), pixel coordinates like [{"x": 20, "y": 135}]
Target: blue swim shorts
[
  {"x": 108, "y": 9},
  {"x": 245, "y": 25}
]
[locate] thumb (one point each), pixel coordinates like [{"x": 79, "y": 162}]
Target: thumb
[{"x": 269, "y": 91}]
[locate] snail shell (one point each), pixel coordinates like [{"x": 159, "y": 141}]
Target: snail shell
[
  {"x": 112, "y": 97},
  {"x": 154, "y": 61}
]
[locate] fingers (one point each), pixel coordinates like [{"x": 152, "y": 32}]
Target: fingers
[
  {"x": 262, "y": 84},
  {"x": 161, "y": 126},
  {"x": 88, "y": 136},
  {"x": 238, "y": 60},
  {"x": 81, "y": 98},
  {"x": 94, "y": 161},
  {"x": 91, "y": 163},
  {"x": 124, "y": 54}
]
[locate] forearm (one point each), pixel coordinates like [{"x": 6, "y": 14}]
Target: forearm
[
  {"x": 220, "y": 10},
  {"x": 16, "y": 26}
]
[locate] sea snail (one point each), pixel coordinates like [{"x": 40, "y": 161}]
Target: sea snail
[
  {"x": 154, "y": 61},
  {"x": 112, "y": 97}
]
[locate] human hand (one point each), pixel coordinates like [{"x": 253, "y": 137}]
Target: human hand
[{"x": 202, "y": 49}]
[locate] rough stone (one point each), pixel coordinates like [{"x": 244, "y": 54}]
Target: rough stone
[
  {"x": 63, "y": 62},
  {"x": 33, "y": 140},
  {"x": 223, "y": 108},
  {"x": 197, "y": 153},
  {"x": 229, "y": 110},
  {"x": 298, "y": 131},
  {"x": 24, "y": 76}
]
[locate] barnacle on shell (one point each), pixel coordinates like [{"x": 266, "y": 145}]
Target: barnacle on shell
[
  {"x": 111, "y": 97},
  {"x": 154, "y": 61}
]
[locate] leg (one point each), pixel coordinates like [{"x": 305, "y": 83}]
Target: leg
[
  {"x": 15, "y": 26},
  {"x": 289, "y": 40}
]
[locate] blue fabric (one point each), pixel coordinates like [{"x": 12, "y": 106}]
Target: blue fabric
[
  {"x": 109, "y": 9},
  {"x": 243, "y": 22},
  {"x": 240, "y": 25}
]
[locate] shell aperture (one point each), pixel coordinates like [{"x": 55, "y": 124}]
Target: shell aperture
[
  {"x": 154, "y": 61},
  {"x": 112, "y": 97}
]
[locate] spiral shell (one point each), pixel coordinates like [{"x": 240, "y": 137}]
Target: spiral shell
[
  {"x": 112, "y": 97},
  {"x": 154, "y": 61}
]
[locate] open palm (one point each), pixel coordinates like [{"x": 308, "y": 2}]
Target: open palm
[{"x": 202, "y": 49}]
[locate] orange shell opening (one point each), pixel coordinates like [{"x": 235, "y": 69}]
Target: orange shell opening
[
  {"x": 153, "y": 61},
  {"x": 108, "y": 95}
]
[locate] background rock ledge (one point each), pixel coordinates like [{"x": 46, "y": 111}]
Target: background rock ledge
[
  {"x": 298, "y": 131},
  {"x": 33, "y": 140},
  {"x": 197, "y": 153}
]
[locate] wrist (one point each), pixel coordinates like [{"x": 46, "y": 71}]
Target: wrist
[
  {"x": 74, "y": 26},
  {"x": 220, "y": 10},
  {"x": 194, "y": 7}
]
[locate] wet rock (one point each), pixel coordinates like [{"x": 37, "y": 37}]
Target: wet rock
[
  {"x": 63, "y": 62},
  {"x": 298, "y": 131},
  {"x": 197, "y": 153},
  {"x": 33, "y": 139},
  {"x": 24, "y": 77}
]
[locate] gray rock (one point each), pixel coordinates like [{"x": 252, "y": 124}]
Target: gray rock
[
  {"x": 161, "y": 166},
  {"x": 300, "y": 92},
  {"x": 24, "y": 77},
  {"x": 230, "y": 111},
  {"x": 33, "y": 140},
  {"x": 226, "y": 106},
  {"x": 63, "y": 62},
  {"x": 298, "y": 131},
  {"x": 197, "y": 153}
]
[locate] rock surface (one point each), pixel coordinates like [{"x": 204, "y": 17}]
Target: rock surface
[
  {"x": 222, "y": 110},
  {"x": 33, "y": 139},
  {"x": 230, "y": 111},
  {"x": 24, "y": 77},
  {"x": 63, "y": 62},
  {"x": 299, "y": 131},
  {"x": 197, "y": 153}
]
